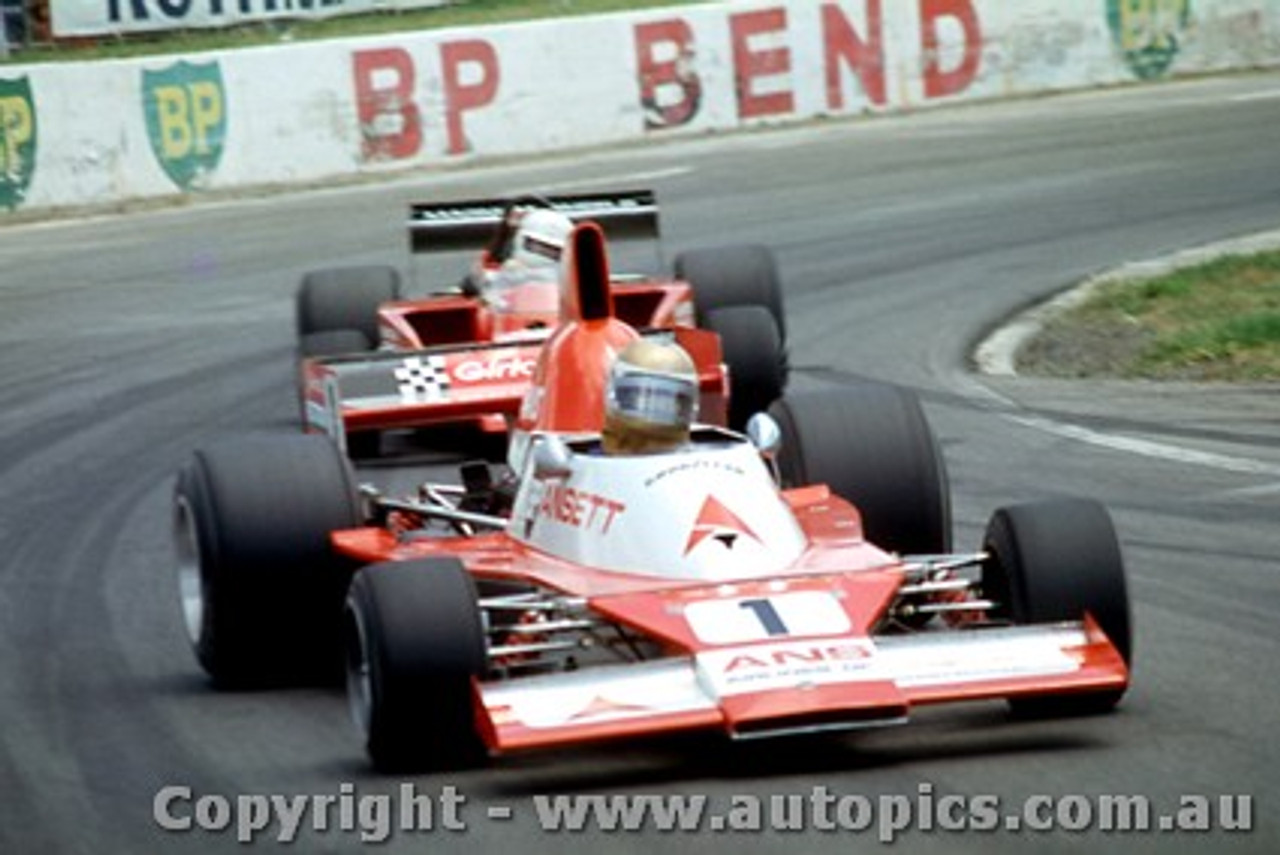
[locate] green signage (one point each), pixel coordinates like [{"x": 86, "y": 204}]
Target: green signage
[
  {"x": 1149, "y": 33},
  {"x": 17, "y": 140},
  {"x": 185, "y": 105}
]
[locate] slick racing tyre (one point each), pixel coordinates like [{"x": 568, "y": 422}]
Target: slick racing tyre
[
  {"x": 414, "y": 640},
  {"x": 333, "y": 343},
  {"x": 725, "y": 276},
  {"x": 261, "y": 588},
  {"x": 871, "y": 444},
  {"x": 346, "y": 298},
  {"x": 752, "y": 349},
  {"x": 1058, "y": 560}
]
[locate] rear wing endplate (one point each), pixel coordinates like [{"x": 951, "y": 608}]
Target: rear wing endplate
[{"x": 470, "y": 224}]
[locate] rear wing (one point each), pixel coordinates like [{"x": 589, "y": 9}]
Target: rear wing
[
  {"x": 406, "y": 389},
  {"x": 472, "y": 224}
]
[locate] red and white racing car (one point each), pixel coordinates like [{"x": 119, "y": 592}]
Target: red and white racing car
[
  {"x": 794, "y": 579},
  {"x": 373, "y": 360}
]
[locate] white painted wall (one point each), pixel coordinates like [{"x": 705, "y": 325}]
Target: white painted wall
[{"x": 292, "y": 113}]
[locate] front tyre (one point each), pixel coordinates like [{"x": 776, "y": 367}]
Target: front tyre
[
  {"x": 261, "y": 587},
  {"x": 1058, "y": 560},
  {"x": 414, "y": 643}
]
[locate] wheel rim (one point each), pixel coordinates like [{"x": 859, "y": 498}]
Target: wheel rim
[
  {"x": 359, "y": 676},
  {"x": 190, "y": 575}
]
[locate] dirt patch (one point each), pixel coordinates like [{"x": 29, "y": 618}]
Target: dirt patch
[{"x": 1070, "y": 347}]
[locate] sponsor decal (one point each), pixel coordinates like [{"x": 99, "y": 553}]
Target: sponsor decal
[
  {"x": 18, "y": 140},
  {"x": 1148, "y": 33},
  {"x": 578, "y": 508},
  {"x": 186, "y": 110},
  {"x": 792, "y": 658},
  {"x": 762, "y": 668},
  {"x": 717, "y": 522},
  {"x": 501, "y": 368},
  {"x": 422, "y": 379},
  {"x": 700, "y": 466}
]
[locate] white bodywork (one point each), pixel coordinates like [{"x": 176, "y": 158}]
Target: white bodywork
[
  {"x": 684, "y": 685},
  {"x": 711, "y": 512}
]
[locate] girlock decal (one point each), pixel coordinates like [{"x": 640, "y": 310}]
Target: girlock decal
[
  {"x": 186, "y": 110},
  {"x": 18, "y": 141},
  {"x": 1149, "y": 33}
]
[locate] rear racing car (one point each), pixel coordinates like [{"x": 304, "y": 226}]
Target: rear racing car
[
  {"x": 795, "y": 578},
  {"x": 373, "y": 359}
]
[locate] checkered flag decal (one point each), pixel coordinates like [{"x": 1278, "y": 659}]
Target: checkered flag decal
[{"x": 423, "y": 379}]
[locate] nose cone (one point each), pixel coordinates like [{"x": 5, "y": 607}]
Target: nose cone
[{"x": 585, "y": 275}]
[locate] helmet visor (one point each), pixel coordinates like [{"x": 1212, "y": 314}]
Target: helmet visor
[
  {"x": 536, "y": 246},
  {"x": 659, "y": 399}
]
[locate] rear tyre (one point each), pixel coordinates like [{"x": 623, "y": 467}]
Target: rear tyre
[
  {"x": 414, "y": 642},
  {"x": 726, "y": 276},
  {"x": 346, "y": 298},
  {"x": 1057, "y": 560},
  {"x": 333, "y": 343},
  {"x": 752, "y": 348},
  {"x": 261, "y": 586},
  {"x": 871, "y": 444}
]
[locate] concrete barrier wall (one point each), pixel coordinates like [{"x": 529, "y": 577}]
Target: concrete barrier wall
[{"x": 86, "y": 134}]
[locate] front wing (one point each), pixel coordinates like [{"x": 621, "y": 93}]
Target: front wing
[{"x": 768, "y": 689}]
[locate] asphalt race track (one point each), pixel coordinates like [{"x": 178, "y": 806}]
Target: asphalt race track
[{"x": 128, "y": 341}]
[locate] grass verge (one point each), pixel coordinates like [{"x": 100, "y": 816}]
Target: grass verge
[{"x": 1216, "y": 321}]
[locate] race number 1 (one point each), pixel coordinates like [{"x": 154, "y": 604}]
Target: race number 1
[
  {"x": 767, "y": 612},
  {"x": 796, "y": 614}
]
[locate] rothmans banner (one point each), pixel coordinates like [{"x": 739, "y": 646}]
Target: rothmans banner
[{"x": 115, "y": 17}]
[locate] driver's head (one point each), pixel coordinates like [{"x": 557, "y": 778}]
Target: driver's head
[
  {"x": 539, "y": 239},
  {"x": 651, "y": 398}
]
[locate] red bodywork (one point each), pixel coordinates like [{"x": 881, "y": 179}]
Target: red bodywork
[
  {"x": 457, "y": 358},
  {"x": 838, "y": 560},
  {"x": 486, "y": 356}
]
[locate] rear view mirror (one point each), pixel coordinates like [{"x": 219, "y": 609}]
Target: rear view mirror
[
  {"x": 552, "y": 459},
  {"x": 765, "y": 434}
]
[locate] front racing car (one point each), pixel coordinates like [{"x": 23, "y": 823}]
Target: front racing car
[{"x": 796, "y": 579}]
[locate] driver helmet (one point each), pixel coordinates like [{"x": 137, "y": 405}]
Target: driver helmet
[
  {"x": 539, "y": 240},
  {"x": 651, "y": 399}
]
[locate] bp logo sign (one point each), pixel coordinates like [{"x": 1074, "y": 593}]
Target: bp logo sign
[
  {"x": 1149, "y": 32},
  {"x": 17, "y": 141},
  {"x": 186, "y": 113}
]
